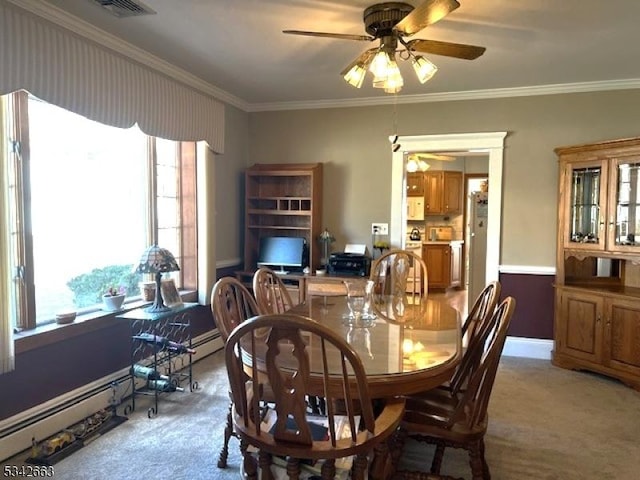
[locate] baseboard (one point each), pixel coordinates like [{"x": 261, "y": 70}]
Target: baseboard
[
  {"x": 528, "y": 347},
  {"x": 52, "y": 416}
]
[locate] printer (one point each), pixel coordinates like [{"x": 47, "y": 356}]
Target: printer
[{"x": 346, "y": 264}]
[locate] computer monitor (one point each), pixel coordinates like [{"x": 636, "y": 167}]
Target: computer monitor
[{"x": 282, "y": 253}]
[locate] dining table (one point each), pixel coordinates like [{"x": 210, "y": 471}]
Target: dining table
[
  {"x": 409, "y": 344},
  {"x": 413, "y": 343}
]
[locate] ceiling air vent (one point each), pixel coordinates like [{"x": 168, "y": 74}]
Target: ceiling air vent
[{"x": 124, "y": 8}]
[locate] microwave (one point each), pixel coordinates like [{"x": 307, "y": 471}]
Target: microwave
[{"x": 415, "y": 208}]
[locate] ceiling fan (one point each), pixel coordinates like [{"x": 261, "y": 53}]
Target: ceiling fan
[
  {"x": 391, "y": 22},
  {"x": 416, "y": 161}
]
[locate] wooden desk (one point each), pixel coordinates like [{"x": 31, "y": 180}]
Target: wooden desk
[
  {"x": 299, "y": 284},
  {"x": 402, "y": 354}
]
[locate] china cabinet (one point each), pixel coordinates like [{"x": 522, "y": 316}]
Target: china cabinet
[{"x": 597, "y": 308}]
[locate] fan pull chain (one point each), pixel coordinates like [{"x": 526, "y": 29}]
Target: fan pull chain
[{"x": 395, "y": 146}]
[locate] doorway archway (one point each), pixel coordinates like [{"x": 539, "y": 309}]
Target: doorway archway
[{"x": 492, "y": 143}]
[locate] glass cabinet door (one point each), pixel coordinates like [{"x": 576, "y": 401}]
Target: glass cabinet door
[
  {"x": 627, "y": 205},
  {"x": 586, "y": 206}
]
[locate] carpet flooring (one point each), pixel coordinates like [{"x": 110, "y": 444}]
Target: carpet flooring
[{"x": 545, "y": 423}]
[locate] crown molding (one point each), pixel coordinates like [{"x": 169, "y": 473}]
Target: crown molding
[
  {"x": 78, "y": 26},
  {"x": 627, "y": 84},
  {"x": 59, "y": 17}
]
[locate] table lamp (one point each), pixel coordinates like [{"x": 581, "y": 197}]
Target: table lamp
[{"x": 158, "y": 261}]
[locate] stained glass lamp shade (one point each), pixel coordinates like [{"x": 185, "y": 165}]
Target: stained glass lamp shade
[{"x": 157, "y": 260}]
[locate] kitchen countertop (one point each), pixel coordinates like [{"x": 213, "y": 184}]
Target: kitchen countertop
[{"x": 442, "y": 242}]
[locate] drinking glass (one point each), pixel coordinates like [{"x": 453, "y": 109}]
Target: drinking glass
[{"x": 359, "y": 303}]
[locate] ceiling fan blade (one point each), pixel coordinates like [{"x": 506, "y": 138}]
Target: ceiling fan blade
[
  {"x": 362, "y": 59},
  {"x": 433, "y": 156},
  {"x": 425, "y": 14},
  {"x": 341, "y": 36},
  {"x": 447, "y": 49}
]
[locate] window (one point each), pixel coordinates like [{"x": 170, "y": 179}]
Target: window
[{"x": 87, "y": 199}]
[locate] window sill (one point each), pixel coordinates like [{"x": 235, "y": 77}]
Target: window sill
[{"x": 51, "y": 333}]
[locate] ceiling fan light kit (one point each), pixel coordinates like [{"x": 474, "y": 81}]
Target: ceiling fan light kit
[
  {"x": 389, "y": 23},
  {"x": 386, "y": 74},
  {"x": 424, "y": 68},
  {"x": 415, "y": 164}
]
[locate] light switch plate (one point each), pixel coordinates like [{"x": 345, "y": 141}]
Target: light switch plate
[{"x": 380, "y": 228}]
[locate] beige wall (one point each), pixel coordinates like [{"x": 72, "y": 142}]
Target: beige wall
[
  {"x": 353, "y": 144},
  {"x": 229, "y": 186}
]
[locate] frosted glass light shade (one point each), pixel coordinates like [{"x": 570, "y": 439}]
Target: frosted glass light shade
[
  {"x": 424, "y": 68},
  {"x": 394, "y": 79},
  {"x": 379, "y": 65},
  {"x": 355, "y": 76}
]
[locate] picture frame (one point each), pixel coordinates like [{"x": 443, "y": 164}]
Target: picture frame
[{"x": 170, "y": 293}]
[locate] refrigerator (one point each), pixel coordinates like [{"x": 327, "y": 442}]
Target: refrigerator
[{"x": 477, "y": 244}]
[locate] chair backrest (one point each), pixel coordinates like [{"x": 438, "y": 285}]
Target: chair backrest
[
  {"x": 400, "y": 272},
  {"x": 472, "y": 408},
  {"x": 263, "y": 344},
  {"x": 482, "y": 308},
  {"x": 480, "y": 313},
  {"x": 270, "y": 292},
  {"x": 231, "y": 303}
]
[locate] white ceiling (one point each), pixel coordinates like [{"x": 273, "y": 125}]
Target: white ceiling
[{"x": 237, "y": 45}]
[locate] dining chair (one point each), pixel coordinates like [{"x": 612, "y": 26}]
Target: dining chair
[
  {"x": 481, "y": 312},
  {"x": 400, "y": 272},
  {"x": 270, "y": 292},
  {"x": 231, "y": 304},
  {"x": 286, "y": 347},
  {"x": 463, "y": 423}
]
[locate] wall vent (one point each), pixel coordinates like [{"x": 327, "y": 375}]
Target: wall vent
[{"x": 124, "y": 8}]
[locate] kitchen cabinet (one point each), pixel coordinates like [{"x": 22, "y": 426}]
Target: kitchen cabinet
[
  {"x": 444, "y": 262},
  {"x": 597, "y": 308},
  {"x": 442, "y": 192},
  {"x": 452, "y": 192},
  {"x": 415, "y": 208},
  {"x": 415, "y": 184}
]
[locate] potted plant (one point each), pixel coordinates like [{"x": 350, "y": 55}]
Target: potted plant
[{"x": 113, "y": 298}]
